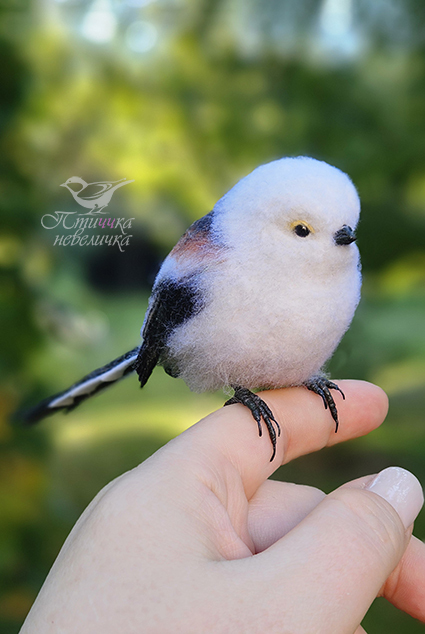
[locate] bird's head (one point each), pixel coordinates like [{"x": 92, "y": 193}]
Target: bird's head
[
  {"x": 299, "y": 211},
  {"x": 74, "y": 180}
]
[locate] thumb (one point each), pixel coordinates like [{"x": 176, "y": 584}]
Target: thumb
[{"x": 334, "y": 562}]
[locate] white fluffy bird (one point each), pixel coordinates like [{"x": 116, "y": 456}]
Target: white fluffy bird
[{"x": 256, "y": 294}]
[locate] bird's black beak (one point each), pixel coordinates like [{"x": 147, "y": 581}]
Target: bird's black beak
[{"x": 345, "y": 235}]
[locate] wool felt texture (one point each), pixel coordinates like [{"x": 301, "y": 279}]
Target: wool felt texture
[{"x": 257, "y": 293}]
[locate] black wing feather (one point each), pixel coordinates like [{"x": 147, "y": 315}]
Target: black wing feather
[{"x": 174, "y": 303}]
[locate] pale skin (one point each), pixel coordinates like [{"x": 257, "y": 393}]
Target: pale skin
[{"x": 169, "y": 546}]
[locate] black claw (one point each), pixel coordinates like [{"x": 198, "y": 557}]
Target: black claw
[
  {"x": 322, "y": 387},
  {"x": 333, "y": 386},
  {"x": 259, "y": 410}
]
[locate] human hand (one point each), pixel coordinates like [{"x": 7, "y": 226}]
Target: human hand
[{"x": 197, "y": 539}]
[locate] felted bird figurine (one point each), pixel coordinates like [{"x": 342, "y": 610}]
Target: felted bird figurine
[
  {"x": 94, "y": 196},
  {"x": 256, "y": 294}
]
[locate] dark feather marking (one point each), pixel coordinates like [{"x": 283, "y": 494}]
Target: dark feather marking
[{"x": 175, "y": 303}]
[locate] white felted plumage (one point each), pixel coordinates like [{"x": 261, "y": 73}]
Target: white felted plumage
[
  {"x": 258, "y": 293},
  {"x": 277, "y": 304}
]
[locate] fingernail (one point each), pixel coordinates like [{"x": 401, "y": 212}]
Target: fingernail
[{"x": 402, "y": 490}]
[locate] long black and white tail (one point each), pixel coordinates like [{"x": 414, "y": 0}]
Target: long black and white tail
[{"x": 88, "y": 386}]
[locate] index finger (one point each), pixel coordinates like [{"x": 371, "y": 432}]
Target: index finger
[{"x": 231, "y": 432}]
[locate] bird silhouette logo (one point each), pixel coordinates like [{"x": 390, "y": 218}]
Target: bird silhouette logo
[{"x": 93, "y": 196}]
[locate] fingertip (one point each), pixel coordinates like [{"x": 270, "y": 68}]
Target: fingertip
[
  {"x": 402, "y": 490},
  {"x": 308, "y": 426},
  {"x": 375, "y": 398},
  {"x": 364, "y": 402}
]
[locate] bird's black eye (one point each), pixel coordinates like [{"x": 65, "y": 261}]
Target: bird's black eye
[{"x": 301, "y": 230}]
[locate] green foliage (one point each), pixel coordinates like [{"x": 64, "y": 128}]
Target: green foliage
[{"x": 227, "y": 87}]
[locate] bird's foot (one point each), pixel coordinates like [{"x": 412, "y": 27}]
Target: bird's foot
[
  {"x": 260, "y": 410},
  {"x": 322, "y": 386}
]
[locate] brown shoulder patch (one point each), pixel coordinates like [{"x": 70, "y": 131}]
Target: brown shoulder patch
[{"x": 197, "y": 241}]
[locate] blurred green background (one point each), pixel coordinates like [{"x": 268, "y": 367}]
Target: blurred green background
[{"x": 185, "y": 97}]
